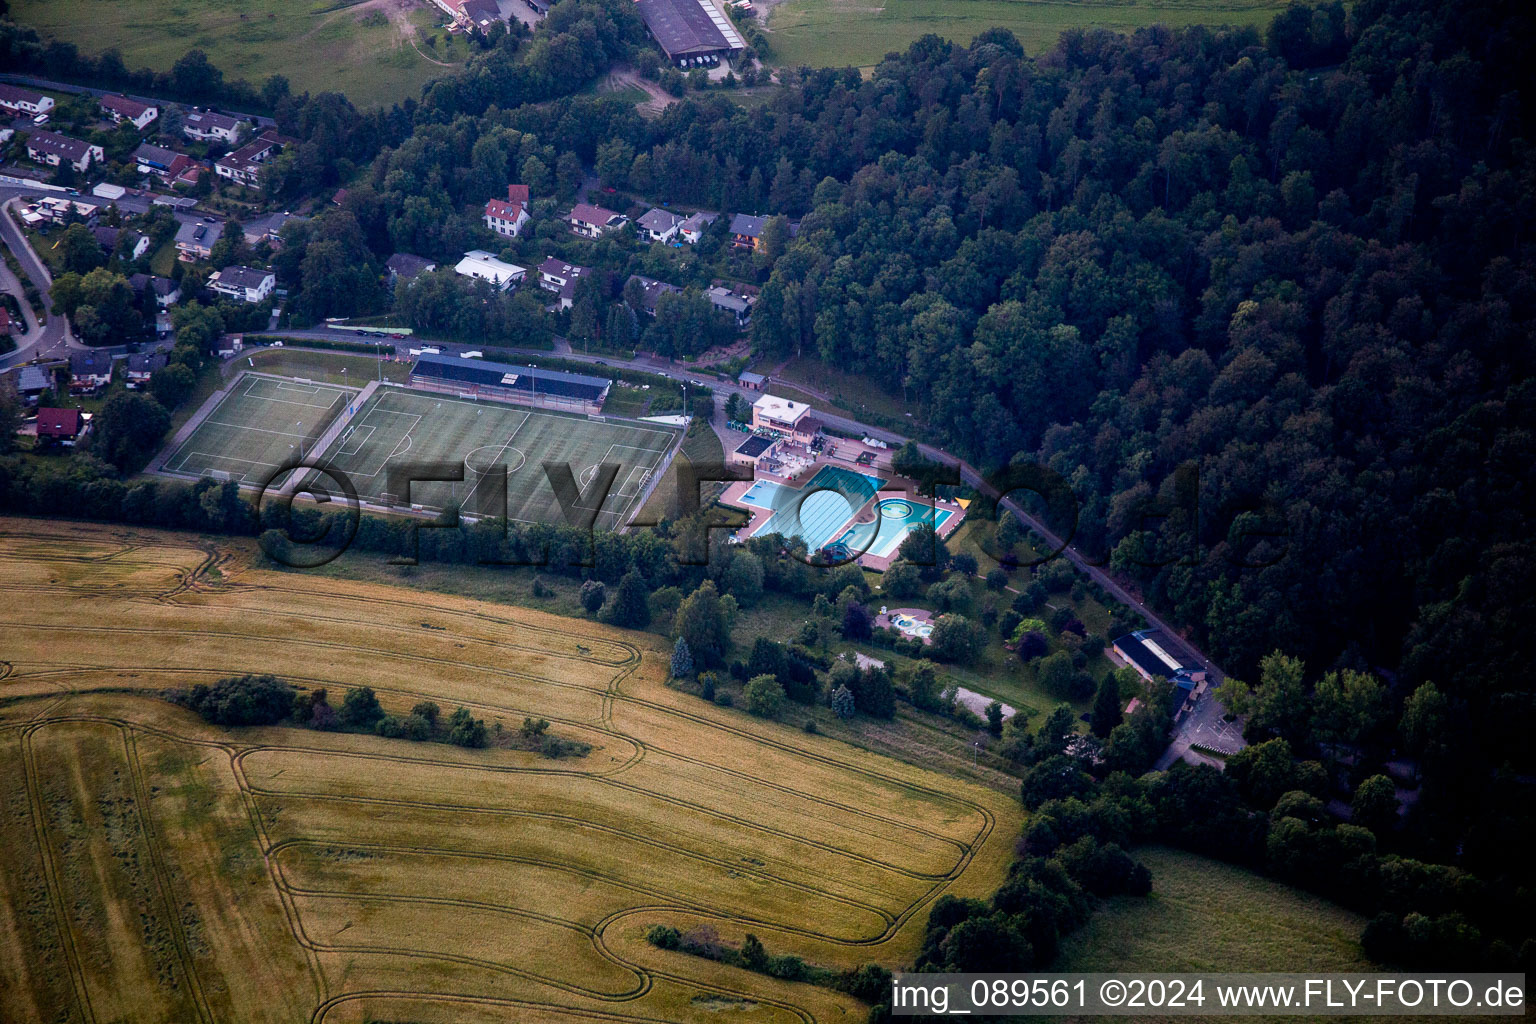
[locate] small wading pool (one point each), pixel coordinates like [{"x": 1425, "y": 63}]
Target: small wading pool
[{"x": 898, "y": 517}]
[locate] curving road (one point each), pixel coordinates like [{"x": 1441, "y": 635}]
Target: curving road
[{"x": 53, "y": 339}]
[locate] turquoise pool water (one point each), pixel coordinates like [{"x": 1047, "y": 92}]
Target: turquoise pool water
[
  {"x": 898, "y": 517},
  {"x": 816, "y": 511}
]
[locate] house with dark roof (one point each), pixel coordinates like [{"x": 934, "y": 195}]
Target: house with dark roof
[
  {"x": 205, "y": 125},
  {"x": 560, "y": 277},
  {"x": 692, "y": 229},
  {"x": 89, "y": 370},
  {"x": 195, "y": 238},
  {"x": 24, "y": 101},
  {"x": 31, "y": 381},
  {"x": 54, "y": 150},
  {"x": 244, "y": 164},
  {"x": 404, "y": 266},
  {"x": 528, "y": 385},
  {"x": 651, "y": 292},
  {"x": 747, "y": 230},
  {"x": 735, "y": 299},
  {"x": 692, "y": 33},
  {"x": 658, "y": 225},
  {"x": 59, "y": 426},
  {"x": 594, "y": 221},
  {"x": 243, "y": 284},
  {"x": 121, "y": 108},
  {"x": 133, "y": 244},
  {"x": 141, "y": 365}
]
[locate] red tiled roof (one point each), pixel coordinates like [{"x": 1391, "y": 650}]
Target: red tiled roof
[
  {"x": 124, "y": 106},
  {"x": 58, "y": 422},
  {"x": 503, "y": 209},
  {"x": 518, "y": 194}
]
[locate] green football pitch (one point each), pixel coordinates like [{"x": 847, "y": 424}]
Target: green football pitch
[
  {"x": 260, "y": 424},
  {"x": 397, "y": 427}
]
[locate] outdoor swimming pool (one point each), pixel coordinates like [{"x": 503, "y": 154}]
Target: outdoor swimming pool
[
  {"x": 816, "y": 511},
  {"x": 898, "y": 516}
]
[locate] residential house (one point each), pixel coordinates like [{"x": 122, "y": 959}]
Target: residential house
[
  {"x": 54, "y": 149},
  {"x": 560, "y": 277},
  {"x": 142, "y": 365},
  {"x": 165, "y": 291},
  {"x": 658, "y": 225},
  {"x": 59, "y": 426},
  {"x": 483, "y": 266},
  {"x": 339, "y": 197},
  {"x": 404, "y": 266},
  {"x": 594, "y": 221},
  {"x": 31, "y": 381},
  {"x": 5, "y": 322},
  {"x": 243, "y": 284},
  {"x": 692, "y": 229},
  {"x": 472, "y": 15},
  {"x": 56, "y": 210},
  {"x": 747, "y": 230},
  {"x": 24, "y": 101},
  {"x": 89, "y": 370},
  {"x": 243, "y": 166},
  {"x": 206, "y": 126},
  {"x": 734, "y": 299},
  {"x": 121, "y": 108},
  {"x": 161, "y": 162},
  {"x": 195, "y": 238},
  {"x": 651, "y": 292},
  {"x": 507, "y": 216},
  {"x": 269, "y": 228}
]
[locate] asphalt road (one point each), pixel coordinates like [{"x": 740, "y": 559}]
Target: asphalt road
[{"x": 53, "y": 339}]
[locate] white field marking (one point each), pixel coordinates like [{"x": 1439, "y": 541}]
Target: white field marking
[
  {"x": 625, "y": 491},
  {"x": 590, "y": 473},
  {"x": 253, "y": 430},
  {"x": 351, "y": 434},
  {"x": 213, "y": 460},
  {"x": 404, "y": 439},
  {"x": 504, "y": 446},
  {"x": 251, "y": 392},
  {"x": 303, "y": 389}
]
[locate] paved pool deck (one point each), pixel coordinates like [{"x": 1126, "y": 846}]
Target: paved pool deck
[{"x": 892, "y": 488}]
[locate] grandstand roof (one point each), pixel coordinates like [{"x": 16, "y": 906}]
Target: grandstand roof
[{"x": 532, "y": 379}]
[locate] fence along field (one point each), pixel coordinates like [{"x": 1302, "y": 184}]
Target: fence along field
[
  {"x": 398, "y": 424},
  {"x": 260, "y": 424},
  {"x": 155, "y": 867}
]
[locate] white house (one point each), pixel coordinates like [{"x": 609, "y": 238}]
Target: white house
[
  {"x": 506, "y": 216},
  {"x": 121, "y": 108},
  {"x": 243, "y": 284},
  {"x": 244, "y": 164},
  {"x": 204, "y": 125},
  {"x": 560, "y": 277},
  {"x": 24, "y": 101},
  {"x": 692, "y": 229},
  {"x": 54, "y": 150},
  {"x": 594, "y": 221},
  {"x": 483, "y": 266},
  {"x": 659, "y": 225}
]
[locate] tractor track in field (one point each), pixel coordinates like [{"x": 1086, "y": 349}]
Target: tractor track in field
[{"x": 857, "y": 823}]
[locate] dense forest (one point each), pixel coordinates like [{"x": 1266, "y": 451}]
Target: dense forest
[{"x": 1265, "y": 300}]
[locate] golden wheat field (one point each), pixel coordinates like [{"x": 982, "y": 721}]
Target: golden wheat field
[{"x": 156, "y": 868}]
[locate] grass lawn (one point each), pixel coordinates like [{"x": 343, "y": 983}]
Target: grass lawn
[
  {"x": 163, "y": 260},
  {"x": 323, "y": 365},
  {"x": 1206, "y": 915},
  {"x": 833, "y": 33},
  {"x": 363, "y": 49},
  {"x": 416, "y": 880}
]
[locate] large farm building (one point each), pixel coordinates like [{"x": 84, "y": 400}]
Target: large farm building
[{"x": 693, "y": 33}]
